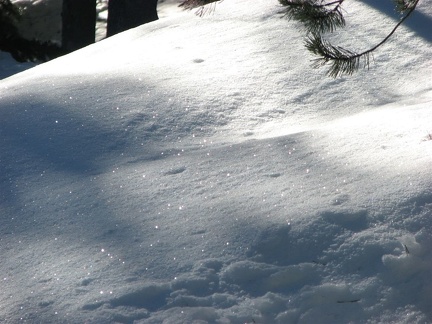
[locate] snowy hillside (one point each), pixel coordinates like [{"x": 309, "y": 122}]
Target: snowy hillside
[{"x": 197, "y": 170}]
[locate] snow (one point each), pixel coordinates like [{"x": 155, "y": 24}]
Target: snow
[
  {"x": 8, "y": 66},
  {"x": 198, "y": 170}
]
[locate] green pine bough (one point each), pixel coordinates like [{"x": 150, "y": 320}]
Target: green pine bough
[
  {"x": 317, "y": 17},
  {"x": 320, "y": 17},
  {"x": 192, "y": 4}
]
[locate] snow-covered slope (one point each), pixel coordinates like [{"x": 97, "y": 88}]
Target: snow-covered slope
[
  {"x": 197, "y": 170},
  {"x": 8, "y": 66}
]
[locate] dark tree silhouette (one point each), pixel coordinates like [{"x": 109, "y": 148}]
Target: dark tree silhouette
[
  {"x": 22, "y": 50},
  {"x": 9, "y": 17},
  {"x": 126, "y": 14},
  {"x": 78, "y": 24}
]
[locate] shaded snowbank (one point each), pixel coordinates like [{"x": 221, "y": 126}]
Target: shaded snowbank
[{"x": 199, "y": 170}]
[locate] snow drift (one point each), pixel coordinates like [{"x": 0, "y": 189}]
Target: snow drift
[{"x": 199, "y": 171}]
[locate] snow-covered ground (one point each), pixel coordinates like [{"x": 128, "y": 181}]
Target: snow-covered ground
[
  {"x": 8, "y": 66},
  {"x": 197, "y": 170}
]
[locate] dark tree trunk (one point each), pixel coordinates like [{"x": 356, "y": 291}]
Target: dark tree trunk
[
  {"x": 78, "y": 23},
  {"x": 126, "y": 14}
]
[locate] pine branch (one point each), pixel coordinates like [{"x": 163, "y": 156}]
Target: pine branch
[
  {"x": 317, "y": 17},
  {"x": 21, "y": 49},
  {"x": 344, "y": 61},
  {"x": 9, "y": 12},
  {"x": 10, "y": 15},
  {"x": 404, "y": 5},
  {"x": 192, "y": 4}
]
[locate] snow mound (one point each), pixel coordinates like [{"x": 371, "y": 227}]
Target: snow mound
[{"x": 199, "y": 171}]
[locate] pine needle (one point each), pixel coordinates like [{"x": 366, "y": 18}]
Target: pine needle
[
  {"x": 343, "y": 61},
  {"x": 316, "y": 17},
  {"x": 201, "y": 4},
  {"x": 404, "y": 5}
]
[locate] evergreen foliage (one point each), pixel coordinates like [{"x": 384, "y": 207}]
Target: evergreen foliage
[
  {"x": 316, "y": 17},
  {"x": 192, "y": 4},
  {"x": 22, "y": 50},
  {"x": 9, "y": 17},
  {"x": 320, "y": 17}
]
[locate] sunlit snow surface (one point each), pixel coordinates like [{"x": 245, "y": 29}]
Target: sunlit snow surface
[{"x": 197, "y": 170}]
